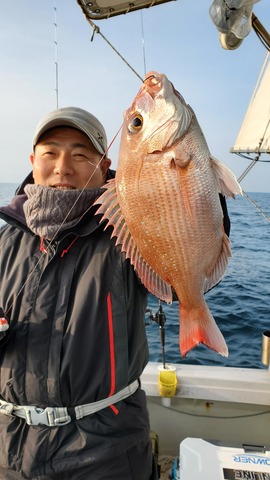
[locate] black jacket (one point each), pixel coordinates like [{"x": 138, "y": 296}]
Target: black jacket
[{"x": 77, "y": 335}]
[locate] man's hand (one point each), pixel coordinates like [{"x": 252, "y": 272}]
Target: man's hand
[{"x": 4, "y": 325}]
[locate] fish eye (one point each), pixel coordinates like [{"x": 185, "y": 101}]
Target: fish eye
[{"x": 136, "y": 123}]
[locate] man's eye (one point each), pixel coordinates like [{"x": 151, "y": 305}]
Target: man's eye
[
  {"x": 48, "y": 153},
  {"x": 80, "y": 157}
]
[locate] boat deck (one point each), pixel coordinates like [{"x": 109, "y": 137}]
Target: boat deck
[{"x": 166, "y": 464}]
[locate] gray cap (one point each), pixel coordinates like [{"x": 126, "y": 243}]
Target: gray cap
[{"x": 76, "y": 118}]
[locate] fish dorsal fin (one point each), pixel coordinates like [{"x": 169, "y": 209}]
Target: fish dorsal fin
[
  {"x": 111, "y": 211},
  {"x": 225, "y": 178},
  {"x": 220, "y": 267}
]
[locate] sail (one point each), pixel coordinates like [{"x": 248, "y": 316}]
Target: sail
[{"x": 254, "y": 135}]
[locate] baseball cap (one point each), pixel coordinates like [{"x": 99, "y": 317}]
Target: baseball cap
[{"x": 77, "y": 118}]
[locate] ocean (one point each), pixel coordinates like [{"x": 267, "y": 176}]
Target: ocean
[{"x": 240, "y": 303}]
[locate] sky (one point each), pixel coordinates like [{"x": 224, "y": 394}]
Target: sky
[{"x": 177, "y": 38}]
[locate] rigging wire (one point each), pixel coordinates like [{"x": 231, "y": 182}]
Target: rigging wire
[
  {"x": 255, "y": 160},
  {"x": 240, "y": 154},
  {"x": 143, "y": 44},
  {"x": 257, "y": 206},
  {"x": 250, "y": 166},
  {"x": 261, "y": 32},
  {"x": 56, "y": 58}
]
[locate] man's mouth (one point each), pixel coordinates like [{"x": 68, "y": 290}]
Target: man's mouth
[{"x": 63, "y": 187}]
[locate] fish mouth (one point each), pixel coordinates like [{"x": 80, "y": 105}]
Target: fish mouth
[
  {"x": 153, "y": 84},
  {"x": 154, "y": 76}
]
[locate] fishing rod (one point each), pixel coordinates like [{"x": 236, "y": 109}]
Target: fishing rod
[{"x": 160, "y": 318}]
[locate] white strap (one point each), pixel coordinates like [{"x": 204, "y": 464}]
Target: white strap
[
  {"x": 83, "y": 410},
  {"x": 58, "y": 416}
]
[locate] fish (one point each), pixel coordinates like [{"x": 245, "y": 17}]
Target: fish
[{"x": 165, "y": 209}]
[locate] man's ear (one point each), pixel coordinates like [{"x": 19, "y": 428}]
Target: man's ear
[
  {"x": 106, "y": 163},
  {"x": 32, "y": 157}
]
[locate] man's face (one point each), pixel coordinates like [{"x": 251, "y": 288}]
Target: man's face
[{"x": 65, "y": 158}]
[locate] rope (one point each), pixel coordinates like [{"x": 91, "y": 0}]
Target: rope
[
  {"x": 257, "y": 206},
  {"x": 96, "y": 29},
  {"x": 246, "y": 195},
  {"x": 245, "y": 172}
]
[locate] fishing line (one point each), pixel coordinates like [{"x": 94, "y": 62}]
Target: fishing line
[{"x": 63, "y": 222}]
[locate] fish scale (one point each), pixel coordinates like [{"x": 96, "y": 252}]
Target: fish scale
[{"x": 165, "y": 209}]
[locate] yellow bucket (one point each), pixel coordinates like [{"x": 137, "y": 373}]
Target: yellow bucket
[{"x": 167, "y": 381}]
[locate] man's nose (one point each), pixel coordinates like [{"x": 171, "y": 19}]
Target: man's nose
[{"x": 63, "y": 164}]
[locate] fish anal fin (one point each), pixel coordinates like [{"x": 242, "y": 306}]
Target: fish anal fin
[
  {"x": 197, "y": 326},
  {"x": 110, "y": 210},
  {"x": 226, "y": 180},
  {"x": 216, "y": 274}
]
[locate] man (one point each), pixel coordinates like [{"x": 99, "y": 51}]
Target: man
[{"x": 76, "y": 344}]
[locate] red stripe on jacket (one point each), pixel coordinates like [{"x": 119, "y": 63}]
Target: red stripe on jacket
[{"x": 112, "y": 357}]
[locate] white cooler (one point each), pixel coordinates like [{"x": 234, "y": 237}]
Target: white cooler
[{"x": 203, "y": 460}]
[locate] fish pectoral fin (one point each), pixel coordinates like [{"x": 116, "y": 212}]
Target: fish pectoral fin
[
  {"x": 197, "y": 326},
  {"x": 225, "y": 178},
  {"x": 111, "y": 211},
  {"x": 180, "y": 158},
  {"x": 216, "y": 274}
]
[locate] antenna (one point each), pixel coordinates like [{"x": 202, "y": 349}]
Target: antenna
[{"x": 56, "y": 56}]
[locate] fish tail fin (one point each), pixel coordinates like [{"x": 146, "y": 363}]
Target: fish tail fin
[{"x": 199, "y": 326}]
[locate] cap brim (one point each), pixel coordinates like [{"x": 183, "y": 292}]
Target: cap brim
[{"x": 63, "y": 122}]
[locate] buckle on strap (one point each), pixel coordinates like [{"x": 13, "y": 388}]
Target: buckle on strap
[
  {"x": 58, "y": 416},
  {"x": 50, "y": 416}
]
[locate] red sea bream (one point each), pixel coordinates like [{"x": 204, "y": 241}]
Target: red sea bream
[{"x": 165, "y": 209}]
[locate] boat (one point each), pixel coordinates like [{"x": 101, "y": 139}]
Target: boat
[
  {"x": 223, "y": 406},
  {"x": 211, "y": 422}
]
